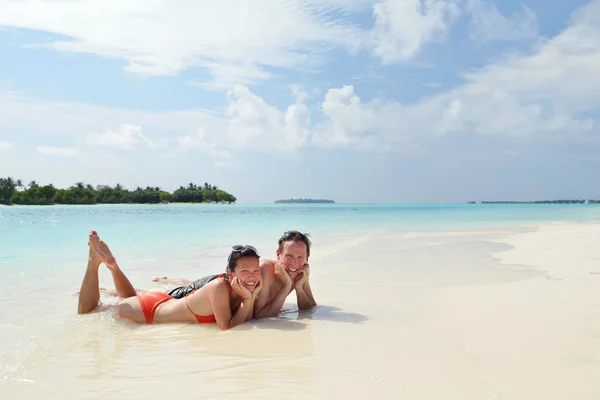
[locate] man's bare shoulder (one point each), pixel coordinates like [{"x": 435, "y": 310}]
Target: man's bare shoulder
[{"x": 267, "y": 267}]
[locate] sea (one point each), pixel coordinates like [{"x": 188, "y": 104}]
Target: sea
[{"x": 43, "y": 255}]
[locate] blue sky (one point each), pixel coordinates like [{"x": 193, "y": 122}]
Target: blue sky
[{"x": 354, "y": 100}]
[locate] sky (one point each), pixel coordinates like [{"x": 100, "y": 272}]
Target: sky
[{"x": 359, "y": 101}]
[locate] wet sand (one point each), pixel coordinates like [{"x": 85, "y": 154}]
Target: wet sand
[{"x": 509, "y": 314}]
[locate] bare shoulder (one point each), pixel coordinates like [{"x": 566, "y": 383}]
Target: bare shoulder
[
  {"x": 218, "y": 287},
  {"x": 267, "y": 268}
]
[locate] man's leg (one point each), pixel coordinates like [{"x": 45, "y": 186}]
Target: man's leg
[{"x": 172, "y": 281}]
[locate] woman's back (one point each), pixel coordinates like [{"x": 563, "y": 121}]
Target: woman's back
[{"x": 197, "y": 303}]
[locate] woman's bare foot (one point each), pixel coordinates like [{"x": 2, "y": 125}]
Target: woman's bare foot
[
  {"x": 99, "y": 251},
  {"x": 111, "y": 261}
]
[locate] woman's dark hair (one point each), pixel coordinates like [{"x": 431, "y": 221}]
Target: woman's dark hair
[{"x": 238, "y": 252}]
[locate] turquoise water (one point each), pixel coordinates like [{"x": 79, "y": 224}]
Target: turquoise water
[
  {"x": 35, "y": 238},
  {"x": 43, "y": 251},
  {"x": 31, "y": 234}
]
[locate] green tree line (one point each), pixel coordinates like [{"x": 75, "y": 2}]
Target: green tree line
[{"x": 13, "y": 191}]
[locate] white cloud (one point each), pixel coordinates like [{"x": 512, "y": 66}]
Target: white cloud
[
  {"x": 198, "y": 141},
  {"x": 6, "y": 146},
  {"x": 241, "y": 42},
  {"x": 488, "y": 24},
  {"x": 233, "y": 39},
  {"x": 224, "y": 164},
  {"x": 350, "y": 121},
  {"x": 257, "y": 124},
  {"x": 76, "y": 120},
  {"x": 299, "y": 94},
  {"x": 551, "y": 93},
  {"x": 127, "y": 137},
  {"x": 56, "y": 151},
  {"x": 404, "y": 27},
  {"x": 226, "y": 76}
]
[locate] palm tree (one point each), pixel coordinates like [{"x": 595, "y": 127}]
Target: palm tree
[{"x": 33, "y": 184}]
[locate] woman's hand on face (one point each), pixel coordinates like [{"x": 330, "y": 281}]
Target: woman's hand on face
[
  {"x": 257, "y": 289},
  {"x": 240, "y": 289}
]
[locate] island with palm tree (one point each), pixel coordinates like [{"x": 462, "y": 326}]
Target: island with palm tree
[{"x": 13, "y": 191}]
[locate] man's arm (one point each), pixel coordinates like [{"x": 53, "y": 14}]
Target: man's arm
[
  {"x": 265, "y": 306},
  {"x": 305, "y": 298},
  {"x": 304, "y": 295}
]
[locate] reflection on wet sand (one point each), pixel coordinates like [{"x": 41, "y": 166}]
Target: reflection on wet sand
[{"x": 333, "y": 314}]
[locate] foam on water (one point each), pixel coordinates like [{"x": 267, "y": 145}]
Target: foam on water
[{"x": 43, "y": 253}]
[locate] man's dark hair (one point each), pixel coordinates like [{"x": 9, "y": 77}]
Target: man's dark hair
[
  {"x": 235, "y": 255},
  {"x": 295, "y": 236}
]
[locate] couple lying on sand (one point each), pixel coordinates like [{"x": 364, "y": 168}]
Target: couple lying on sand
[{"x": 248, "y": 289}]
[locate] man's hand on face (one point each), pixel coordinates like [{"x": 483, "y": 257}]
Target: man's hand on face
[
  {"x": 302, "y": 276},
  {"x": 282, "y": 274}
]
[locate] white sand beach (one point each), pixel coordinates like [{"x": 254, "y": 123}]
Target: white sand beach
[{"x": 463, "y": 315}]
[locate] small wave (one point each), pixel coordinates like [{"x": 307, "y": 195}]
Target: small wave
[{"x": 52, "y": 338}]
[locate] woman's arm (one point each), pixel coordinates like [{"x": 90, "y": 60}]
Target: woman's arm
[{"x": 220, "y": 301}]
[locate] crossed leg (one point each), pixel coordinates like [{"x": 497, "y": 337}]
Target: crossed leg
[{"x": 89, "y": 294}]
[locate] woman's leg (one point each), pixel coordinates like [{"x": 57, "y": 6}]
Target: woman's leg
[
  {"x": 89, "y": 294},
  {"x": 113, "y": 292},
  {"x": 124, "y": 288}
]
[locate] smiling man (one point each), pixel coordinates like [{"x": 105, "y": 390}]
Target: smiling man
[{"x": 289, "y": 272}]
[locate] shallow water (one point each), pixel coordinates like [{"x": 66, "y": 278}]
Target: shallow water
[{"x": 45, "y": 346}]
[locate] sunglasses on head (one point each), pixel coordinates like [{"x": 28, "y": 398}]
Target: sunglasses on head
[{"x": 239, "y": 247}]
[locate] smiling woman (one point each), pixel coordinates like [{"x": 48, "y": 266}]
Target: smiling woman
[{"x": 228, "y": 301}]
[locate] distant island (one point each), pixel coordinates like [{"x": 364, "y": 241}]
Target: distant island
[
  {"x": 312, "y": 201},
  {"x": 13, "y": 191},
  {"x": 578, "y": 201}
]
